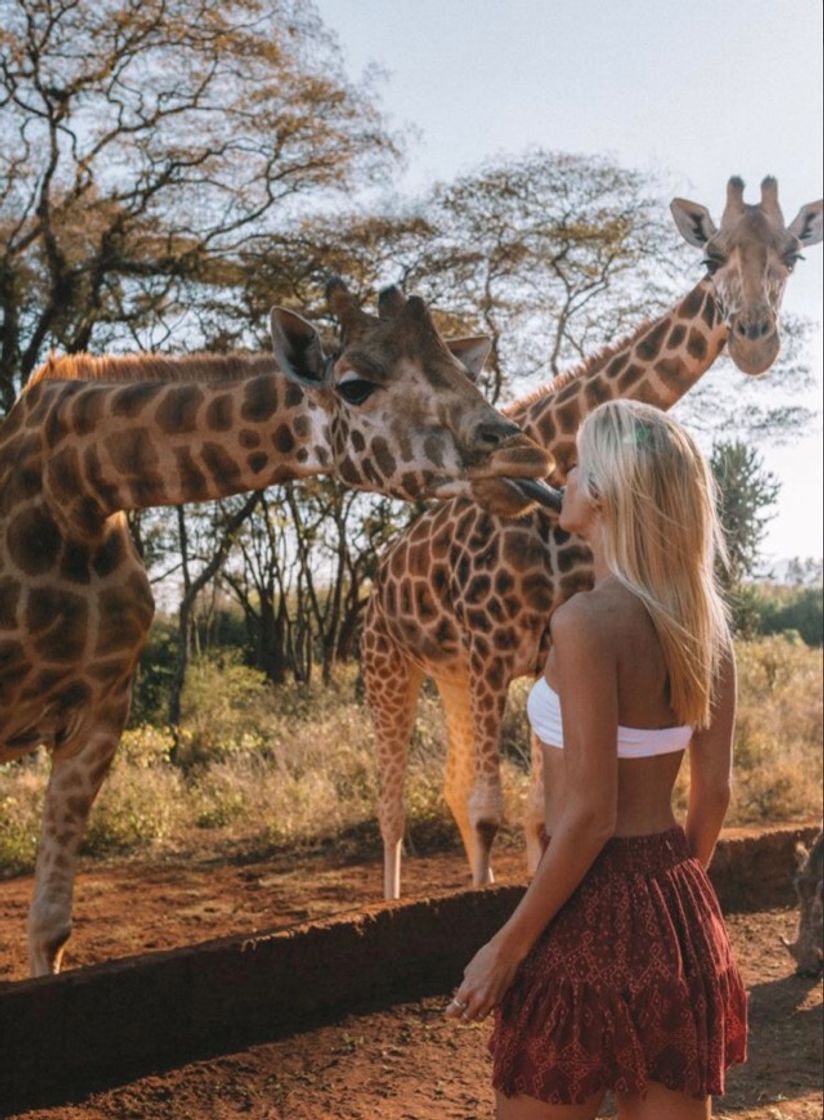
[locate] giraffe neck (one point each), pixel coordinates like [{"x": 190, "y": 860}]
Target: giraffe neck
[
  {"x": 656, "y": 364},
  {"x": 109, "y": 447}
]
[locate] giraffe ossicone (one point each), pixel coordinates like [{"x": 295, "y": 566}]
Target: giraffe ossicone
[
  {"x": 466, "y": 598},
  {"x": 392, "y": 410}
]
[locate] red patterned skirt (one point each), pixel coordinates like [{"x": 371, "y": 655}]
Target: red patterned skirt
[{"x": 632, "y": 981}]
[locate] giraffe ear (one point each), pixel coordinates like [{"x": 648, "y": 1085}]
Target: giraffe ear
[
  {"x": 471, "y": 353},
  {"x": 807, "y": 224},
  {"x": 694, "y": 222},
  {"x": 297, "y": 347}
]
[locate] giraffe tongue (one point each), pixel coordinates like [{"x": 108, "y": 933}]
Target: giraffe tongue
[{"x": 539, "y": 492}]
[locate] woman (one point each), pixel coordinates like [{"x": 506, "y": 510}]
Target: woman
[{"x": 615, "y": 972}]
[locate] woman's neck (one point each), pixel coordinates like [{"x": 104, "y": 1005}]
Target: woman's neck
[{"x": 595, "y": 539}]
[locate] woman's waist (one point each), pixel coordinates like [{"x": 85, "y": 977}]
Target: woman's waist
[{"x": 643, "y": 853}]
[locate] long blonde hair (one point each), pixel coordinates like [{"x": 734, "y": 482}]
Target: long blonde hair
[{"x": 662, "y": 537}]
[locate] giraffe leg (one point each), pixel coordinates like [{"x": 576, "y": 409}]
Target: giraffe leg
[
  {"x": 473, "y": 782},
  {"x": 73, "y": 786},
  {"x": 486, "y": 800},
  {"x": 392, "y": 684},
  {"x": 534, "y": 807},
  {"x": 460, "y": 773}
]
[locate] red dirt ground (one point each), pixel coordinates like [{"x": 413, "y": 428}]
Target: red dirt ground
[{"x": 408, "y": 1063}]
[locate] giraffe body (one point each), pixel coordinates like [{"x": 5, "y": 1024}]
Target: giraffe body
[
  {"x": 466, "y": 597},
  {"x": 92, "y": 437}
]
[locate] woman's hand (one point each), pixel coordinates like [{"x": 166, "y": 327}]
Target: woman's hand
[{"x": 486, "y": 978}]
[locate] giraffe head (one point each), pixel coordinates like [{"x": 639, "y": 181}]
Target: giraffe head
[
  {"x": 405, "y": 415},
  {"x": 749, "y": 258}
]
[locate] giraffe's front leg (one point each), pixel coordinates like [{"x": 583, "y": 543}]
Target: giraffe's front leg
[
  {"x": 486, "y": 801},
  {"x": 392, "y": 684},
  {"x": 473, "y": 780},
  {"x": 73, "y": 785},
  {"x": 459, "y": 781}
]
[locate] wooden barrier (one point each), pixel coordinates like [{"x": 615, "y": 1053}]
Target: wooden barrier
[{"x": 63, "y": 1036}]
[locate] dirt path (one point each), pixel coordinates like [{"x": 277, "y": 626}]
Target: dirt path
[
  {"x": 128, "y": 907},
  {"x": 408, "y": 1063}
]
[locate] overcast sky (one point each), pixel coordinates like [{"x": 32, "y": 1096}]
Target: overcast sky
[{"x": 695, "y": 92}]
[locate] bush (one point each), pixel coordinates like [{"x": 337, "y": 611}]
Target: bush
[
  {"x": 799, "y": 609},
  {"x": 295, "y": 765},
  {"x": 778, "y": 766},
  {"x": 22, "y": 787}
]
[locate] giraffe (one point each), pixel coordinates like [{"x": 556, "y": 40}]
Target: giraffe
[
  {"x": 92, "y": 437},
  {"x": 466, "y": 598}
]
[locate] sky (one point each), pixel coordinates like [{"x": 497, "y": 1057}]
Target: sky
[{"x": 692, "y": 92}]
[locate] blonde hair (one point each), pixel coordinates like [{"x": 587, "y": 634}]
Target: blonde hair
[{"x": 662, "y": 537}]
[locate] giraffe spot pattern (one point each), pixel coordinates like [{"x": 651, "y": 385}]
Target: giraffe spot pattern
[
  {"x": 133, "y": 453},
  {"x": 64, "y": 475},
  {"x": 248, "y": 438},
  {"x": 650, "y": 345},
  {"x": 108, "y": 557},
  {"x": 33, "y": 539},
  {"x": 257, "y": 462},
  {"x": 74, "y": 563},
  {"x": 10, "y": 591},
  {"x": 691, "y": 304},
  {"x": 177, "y": 412},
  {"x": 220, "y": 413},
  {"x": 383, "y": 457},
  {"x": 569, "y": 417},
  {"x": 616, "y": 364},
  {"x": 87, "y": 411},
  {"x": 283, "y": 439},
  {"x": 96, "y": 479},
  {"x": 433, "y": 449},
  {"x": 132, "y": 399},
  {"x": 192, "y": 478},
  {"x": 56, "y": 619},
  {"x": 221, "y": 464},
  {"x": 672, "y": 372},
  {"x": 697, "y": 344}
]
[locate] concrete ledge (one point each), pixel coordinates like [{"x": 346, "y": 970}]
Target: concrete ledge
[{"x": 62, "y": 1037}]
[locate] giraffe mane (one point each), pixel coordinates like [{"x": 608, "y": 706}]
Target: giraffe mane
[
  {"x": 151, "y": 367},
  {"x": 599, "y": 358}
]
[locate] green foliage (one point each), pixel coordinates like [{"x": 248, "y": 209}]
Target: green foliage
[
  {"x": 296, "y": 765},
  {"x": 155, "y": 673},
  {"x": 22, "y": 785},
  {"x": 226, "y": 708},
  {"x": 797, "y": 610},
  {"x": 152, "y": 145},
  {"x": 746, "y": 491}
]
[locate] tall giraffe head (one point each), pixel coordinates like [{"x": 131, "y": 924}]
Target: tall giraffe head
[
  {"x": 749, "y": 258},
  {"x": 405, "y": 415}
]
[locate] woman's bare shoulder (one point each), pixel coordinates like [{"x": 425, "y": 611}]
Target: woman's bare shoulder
[{"x": 603, "y": 612}]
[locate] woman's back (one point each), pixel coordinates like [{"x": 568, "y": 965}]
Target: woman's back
[{"x": 644, "y": 784}]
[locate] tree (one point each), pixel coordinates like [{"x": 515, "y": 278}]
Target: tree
[
  {"x": 145, "y": 146},
  {"x": 746, "y": 491}
]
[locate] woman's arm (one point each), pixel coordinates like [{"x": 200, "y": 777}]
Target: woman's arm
[
  {"x": 586, "y": 671},
  {"x": 711, "y": 768}
]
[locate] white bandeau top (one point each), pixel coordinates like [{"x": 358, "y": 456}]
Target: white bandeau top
[{"x": 543, "y": 708}]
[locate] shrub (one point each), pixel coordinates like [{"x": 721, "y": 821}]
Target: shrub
[{"x": 22, "y": 787}]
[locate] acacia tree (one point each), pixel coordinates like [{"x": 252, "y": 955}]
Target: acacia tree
[{"x": 145, "y": 145}]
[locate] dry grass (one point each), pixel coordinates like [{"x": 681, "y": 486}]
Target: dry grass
[{"x": 293, "y": 766}]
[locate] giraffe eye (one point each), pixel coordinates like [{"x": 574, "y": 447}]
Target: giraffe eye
[
  {"x": 712, "y": 264},
  {"x": 791, "y": 260},
  {"x": 356, "y": 390}
]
